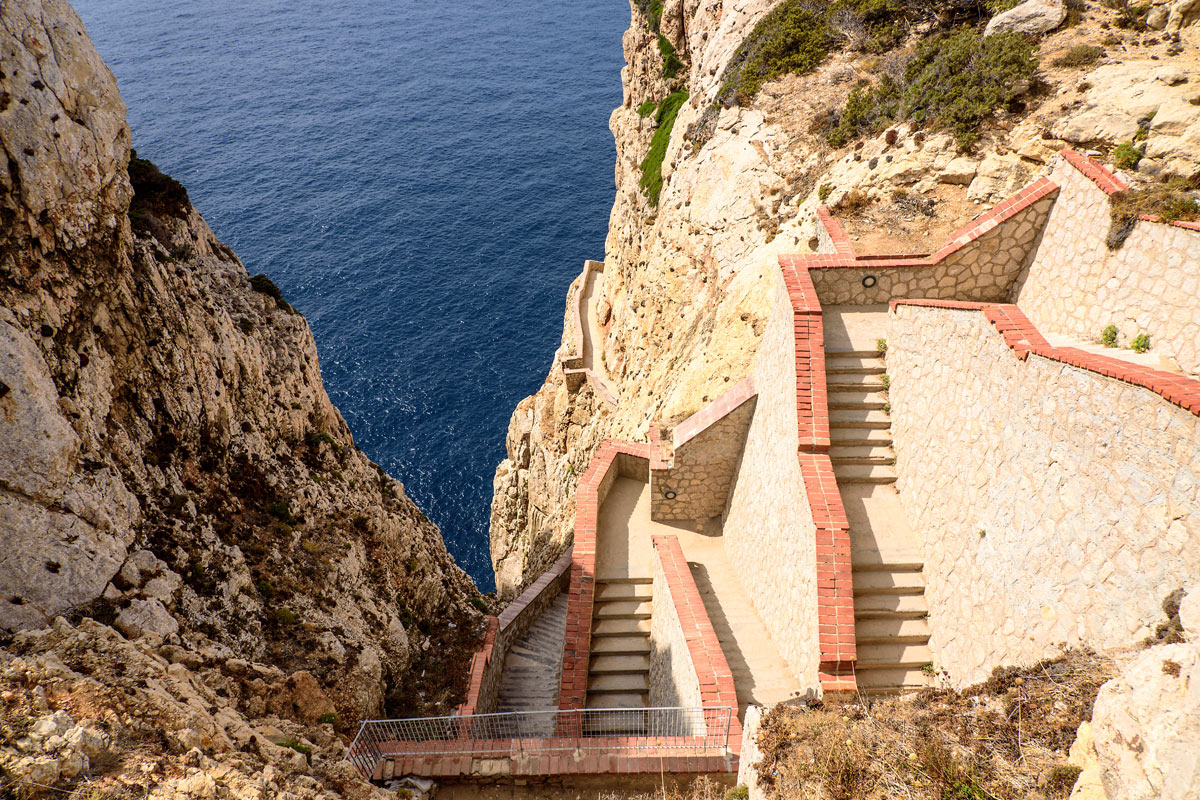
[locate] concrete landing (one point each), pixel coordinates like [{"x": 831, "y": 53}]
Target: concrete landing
[
  {"x": 624, "y": 550},
  {"x": 1148, "y": 359},
  {"x": 854, "y": 327},
  {"x": 591, "y": 325}
]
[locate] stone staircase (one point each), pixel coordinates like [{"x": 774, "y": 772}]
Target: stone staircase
[
  {"x": 890, "y": 615},
  {"x": 619, "y": 669},
  {"x": 530, "y": 678}
]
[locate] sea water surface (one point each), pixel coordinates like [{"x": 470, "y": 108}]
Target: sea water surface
[{"x": 422, "y": 180}]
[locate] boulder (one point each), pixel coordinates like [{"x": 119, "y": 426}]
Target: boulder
[
  {"x": 1172, "y": 15},
  {"x": 1032, "y": 17},
  {"x": 146, "y": 617},
  {"x": 1146, "y": 724}
]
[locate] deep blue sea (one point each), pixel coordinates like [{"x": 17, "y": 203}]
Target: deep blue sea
[{"x": 422, "y": 182}]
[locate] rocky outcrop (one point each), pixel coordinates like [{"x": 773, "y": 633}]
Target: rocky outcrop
[
  {"x": 1031, "y": 17},
  {"x": 1146, "y": 723},
  {"x": 170, "y": 463}
]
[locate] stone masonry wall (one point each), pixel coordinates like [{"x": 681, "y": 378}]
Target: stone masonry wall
[
  {"x": 1057, "y": 505},
  {"x": 983, "y": 269},
  {"x": 769, "y": 533},
  {"x": 673, "y": 680},
  {"x": 1075, "y": 285},
  {"x": 706, "y": 451}
]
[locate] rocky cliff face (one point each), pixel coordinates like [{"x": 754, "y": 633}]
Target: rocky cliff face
[
  {"x": 170, "y": 464},
  {"x": 682, "y": 300}
]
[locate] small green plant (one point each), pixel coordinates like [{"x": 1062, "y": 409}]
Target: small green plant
[
  {"x": 264, "y": 285},
  {"x": 328, "y": 718},
  {"x": 671, "y": 62},
  {"x": 1126, "y": 156},
  {"x": 881, "y": 345},
  {"x": 824, "y": 191},
  {"x": 1172, "y": 201},
  {"x": 739, "y": 792},
  {"x": 285, "y": 616},
  {"x": 886, "y": 382},
  {"x": 1081, "y": 55},
  {"x": 927, "y": 669},
  {"x": 480, "y": 604},
  {"x": 652, "y": 179},
  {"x": 887, "y": 408},
  {"x": 1140, "y": 343},
  {"x": 647, "y": 108},
  {"x": 280, "y": 511},
  {"x": 265, "y": 588},
  {"x": 1108, "y": 336},
  {"x": 1000, "y": 6}
]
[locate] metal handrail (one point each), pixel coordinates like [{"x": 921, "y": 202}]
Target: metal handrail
[{"x": 520, "y": 733}]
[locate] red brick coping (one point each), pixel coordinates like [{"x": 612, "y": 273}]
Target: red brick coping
[
  {"x": 704, "y": 648},
  {"x": 1111, "y": 184},
  {"x": 489, "y": 660},
  {"x": 699, "y": 422},
  {"x": 603, "y": 756},
  {"x": 1024, "y": 339},
  {"x": 612, "y": 457},
  {"x": 572, "y": 363}
]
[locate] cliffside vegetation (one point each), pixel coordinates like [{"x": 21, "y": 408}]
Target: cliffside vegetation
[
  {"x": 652, "y": 178},
  {"x": 1175, "y": 199}
]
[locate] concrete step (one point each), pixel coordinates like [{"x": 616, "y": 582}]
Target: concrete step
[
  {"x": 618, "y": 723},
  {"x": 617, "y": 699},
  {"x": 623, "y": 591},
  {"x": 839, "y": 368},
  {"x": 619, "y": 683},
  {"x": 621, "y": 609},
  {"x": 619, "y": 627},
  {"x": 890, "y": 606},
  {"x": 872, "y": 558},
  {"x": 858, "y": 454},
  {"x": 857, "y": 398},
  {"x": 860, "y": 437},
  {"x": 878, "y": 581},
  {"x": 880, "y": 656},
  {"x": 616, "y": 645},
  {"x": 876, "y": 354},
  {"x": 609, "y": 665},
  {"x": 620, "y": 581},
  {"x": 884, "y": 631},
  {"x": 873, "y": 419},
  {"x": 893, "y": 680},
  {"x": 865, "y": 473}
]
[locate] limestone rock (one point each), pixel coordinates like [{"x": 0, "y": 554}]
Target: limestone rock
[
  {"x": 146, "y": 616},
  {"x": 1088, "y": 785},
  {"x": 1147, "y": 726},
  {"x": 1173, "y": 15},
  {"x": 1032, "y": 17}
]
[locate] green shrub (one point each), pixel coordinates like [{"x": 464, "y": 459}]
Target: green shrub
[
  {"x": 739, "y": 792},
  {"x": 881, "y": 345},
  {"x": 285, "y": 616},
  {"x": 1131, "y": 16},
  {"x": 1108, "y": 336},
  {"x": 793, "y": 38},
  {"x": 1126, "y": 156},
  {"x": 280, "y": 511},
  {"x": 1140, "y": 343},
  {"x": 955, "y": 81},
  {"x": 824, "y": 191},
  {"x": 1081, "y": 55},
  {"x": 651, "y": 181},
  {"x": 265, "y": 588},
  {"x": 328, "y": 718},
  {"x": 647, "y": 108},
  {"x": 480, "y": 604},
  {"x": 264, "y": 285},
  {"x": 1000, "y": 6},
  {"x": 671, "y": 62}
]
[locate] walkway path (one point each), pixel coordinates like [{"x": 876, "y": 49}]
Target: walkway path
[
  {"x": 891, "y": 630},
  {"x": 591, "y": 324},
  {"x": 529, "y": 681}
]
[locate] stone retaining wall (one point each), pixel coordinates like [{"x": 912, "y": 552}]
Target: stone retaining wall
[
  {"x": 694, "y": 485},
  {"x": 1057, "y": 505},
  {"x": 673, "y": 679},
  {"x": 769, "y": 534},
  {"x": 1075, "y": 285}
]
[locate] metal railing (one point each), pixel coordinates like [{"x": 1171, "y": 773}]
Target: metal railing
[{"x": 521, "y": 733}]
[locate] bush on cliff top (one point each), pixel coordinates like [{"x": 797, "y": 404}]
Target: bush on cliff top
[
  {"x": 954, "y": 81},
  {"x": 1171, "y": 202},
  {"x": 154, "y": 191},
  {"x": 652, "y": 164}
]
